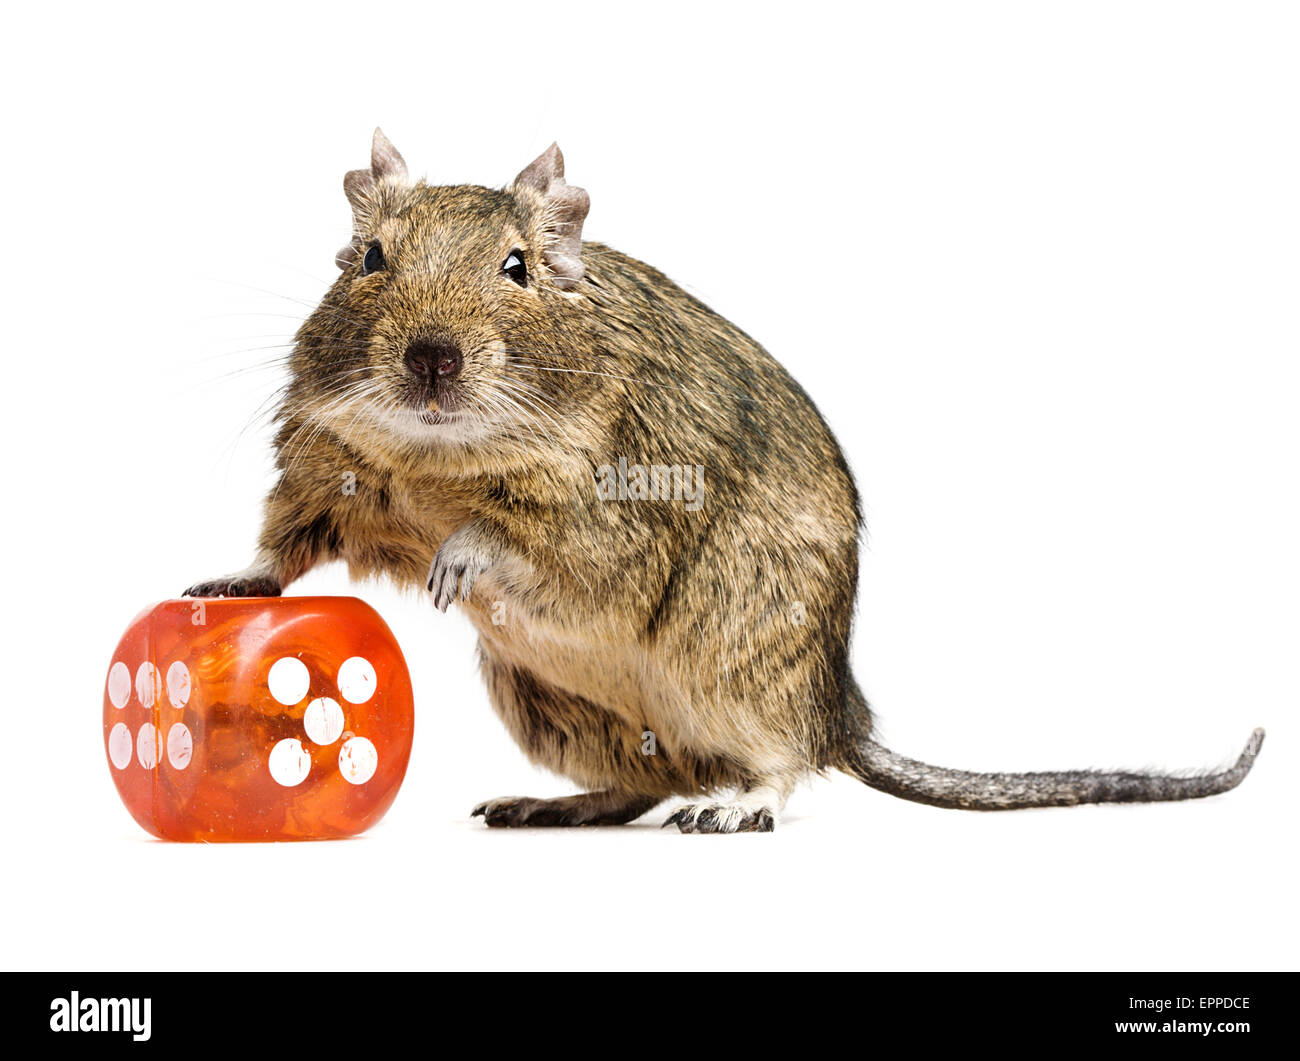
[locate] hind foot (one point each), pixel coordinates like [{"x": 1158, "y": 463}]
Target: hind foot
[
  {"x": 589, "y": 808},
  {"x": 752, "y": 811}
]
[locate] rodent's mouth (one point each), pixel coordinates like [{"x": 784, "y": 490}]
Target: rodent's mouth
[
  {"x": 434, "y": 404},
  {"x": 429, "y": 417},
  {"x": 433, "y": 408}
]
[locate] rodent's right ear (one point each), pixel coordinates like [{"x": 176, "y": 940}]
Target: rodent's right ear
[{"x": 386, "y": 163}]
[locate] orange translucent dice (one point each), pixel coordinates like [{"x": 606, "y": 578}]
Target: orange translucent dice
[{"x": 264, "y": 718}]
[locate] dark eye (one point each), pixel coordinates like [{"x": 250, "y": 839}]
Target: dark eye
[
  {"x": 515, "y": 268},
  {"x": 373, "y": 261}
]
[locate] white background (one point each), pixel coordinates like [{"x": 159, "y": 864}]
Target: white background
[{"x": 1037, "y": 263}]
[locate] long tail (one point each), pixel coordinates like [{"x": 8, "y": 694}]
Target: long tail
[{"x": 889, "y": 772}]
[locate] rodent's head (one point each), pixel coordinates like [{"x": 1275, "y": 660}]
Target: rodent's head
[{"x": 445, "y": 293}]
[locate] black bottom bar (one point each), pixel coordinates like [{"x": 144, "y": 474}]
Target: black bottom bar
[{"x": 241, "y": 1011}]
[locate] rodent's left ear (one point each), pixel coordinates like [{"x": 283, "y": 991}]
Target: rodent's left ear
[{"x": 564, "y": 210}]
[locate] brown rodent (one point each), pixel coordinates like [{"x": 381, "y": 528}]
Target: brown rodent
[{"x": 484, "y": 388}]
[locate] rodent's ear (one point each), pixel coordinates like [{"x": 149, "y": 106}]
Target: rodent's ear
[
  {"x": 385, "y": 160},
  {"x": 358, "y": 185},
  {"x": 386, "y": 163},
  {"x": 565, "y": 209}
]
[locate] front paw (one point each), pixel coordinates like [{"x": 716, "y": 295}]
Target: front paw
[
  {"x": 456, "y": 567},
  {"x": 245, "y": 584}
]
